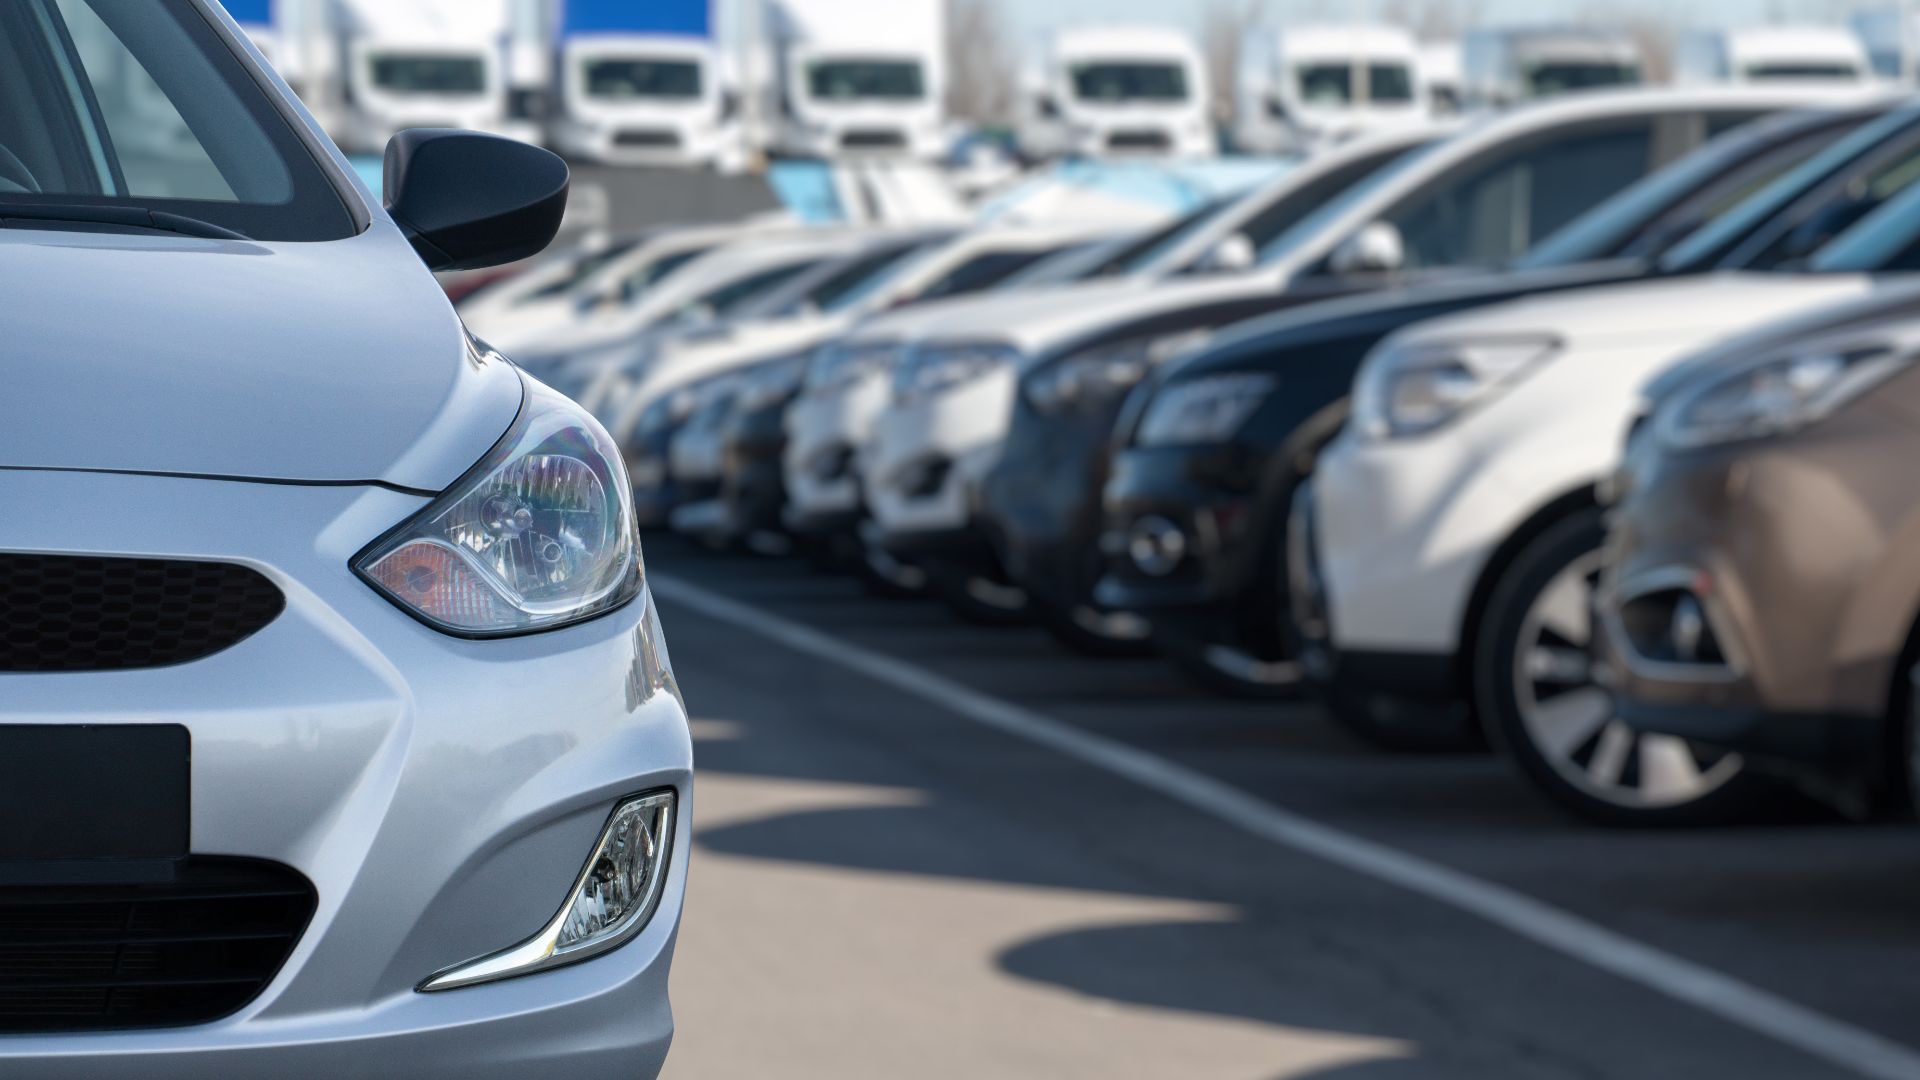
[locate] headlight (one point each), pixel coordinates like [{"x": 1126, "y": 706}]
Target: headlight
[
  {"x": 1203, "y": 410},
  {"x": 842, "y": 364},
  {"x": 1407, "y": 391},
  {"x": 1104, "y": 374},
  {"x": 927, "y": 373},
  {"x": 538, "y": 535},
  {"x": 770, "y": 383},
  {"x": 1775, "y": 396},
  {"x": 612, "y": 901}
]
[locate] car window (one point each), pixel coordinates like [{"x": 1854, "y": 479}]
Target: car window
[
  {"x": 1495, "y": 209},
  {"x": 635, "y": 284},
  {"x": 1888, "y": 239},
  {"x": 1831, "y": 208},
  {"x": 982, "y": 272},
  {"x": 141, "y": 104},
  {"x": 1308, "y": 228},
  {"x": 1301, "y": 200}
]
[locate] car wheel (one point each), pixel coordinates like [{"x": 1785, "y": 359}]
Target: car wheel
[
  {"x": 981, "y": 600},
  {"x": 1535, "y": 691},
  {"x": 1092, "y": 632}
]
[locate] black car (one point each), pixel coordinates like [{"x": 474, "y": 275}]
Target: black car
[
  {"x": 1043, "y": 505},
  {"x": 1196, "y": 528}
]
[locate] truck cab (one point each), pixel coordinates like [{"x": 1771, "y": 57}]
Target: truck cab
[
  {"x": 1122, "y": 91},
  {"x": 1503, "y": 66},
  {"x": 644, "y": 99},
  {"x": 1301, "y": 89},
  {"x": 858, "y": 78},
  {"x": 428, "y": 64},
  {"x": 1773, "y": 54}
]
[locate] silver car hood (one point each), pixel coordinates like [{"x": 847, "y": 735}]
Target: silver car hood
[{"x": 336, "y": 362}]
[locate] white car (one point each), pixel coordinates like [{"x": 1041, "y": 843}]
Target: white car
[
  {"x": 906, "y": 271},
  {"x": 1455, "y": 526},
  {"x": 1470, "y": 201}
]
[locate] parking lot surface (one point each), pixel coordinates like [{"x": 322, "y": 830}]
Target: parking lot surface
[{"x": 885, "y": 885}]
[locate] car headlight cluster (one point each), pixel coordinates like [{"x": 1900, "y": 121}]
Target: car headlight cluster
[
  {"x": 1774, "y": 396},
  {"x": 927, "y": 373},
  {"x": 1100, "y": 375},
  {"x": 1404, "y": 391},
  {"x": 1203, "y": 410},
  {"x": 841, "y": 364},
  {"x": 538, "y": 535}
]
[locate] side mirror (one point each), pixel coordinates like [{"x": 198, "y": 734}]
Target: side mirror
[
  {"x": 1047, "y": 106},
  {"x": 1230, "y": 255},
  {"x": 1376, "y": 249},
  {"x": 1276, "y": 108},
  {"x": 467, "y": 200}
]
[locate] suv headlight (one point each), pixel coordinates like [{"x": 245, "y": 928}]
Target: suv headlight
[
  {"x": 1102, "y": 374},
  {"x": 1405, "y": 391},
  {"x": 538, "y": 535},
  {"x": 1203, "y": 410},
  {"x": 1776, "y": 396},
  {"x": 927, "y": 373}
]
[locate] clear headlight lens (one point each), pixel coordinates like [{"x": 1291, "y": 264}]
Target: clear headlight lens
[
  {"x": 1775, "y": 396},
  {"x": 539, "y": 534},
  {"x": 926, "y": 373},
  {"x": 842, "y": 364},
  {"x": 1103, "y": 374},
  {"x": 1412, "y": 390},
  {"x": 611, "y": 902},
  {"x": 1204, "y": 410}
]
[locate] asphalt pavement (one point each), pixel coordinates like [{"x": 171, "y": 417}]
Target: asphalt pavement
[{"x": 931, "y": 850}]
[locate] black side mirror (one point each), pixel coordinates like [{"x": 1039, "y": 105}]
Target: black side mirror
[{"x": 467, "y": 200}]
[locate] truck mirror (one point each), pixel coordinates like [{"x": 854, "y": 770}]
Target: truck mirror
[{"x": 467, "y": 200}]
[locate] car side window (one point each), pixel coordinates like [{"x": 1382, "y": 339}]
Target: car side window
[
  {"x": 1491, "y": 212},
  {"x": 982, "y": 272}
]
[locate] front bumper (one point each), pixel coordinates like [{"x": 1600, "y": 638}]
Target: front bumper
[
  {"x": 924, "y": 467},
  {"x": 668, "y": 142},
  {"x": 825, "y": 435},
  {"x": 753, "y": 483},
  {"x": 440, "y": 794},
  {"x": 1040, "y": 504}
]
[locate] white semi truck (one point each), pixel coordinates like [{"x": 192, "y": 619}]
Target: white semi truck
[
  {"x": 1305, "y": 87},
  {"x": 852, "y": 77},
  {"x": 1772, "y": 54},
  {"x": 642, "y": 84},
  {"x": 1118, "y": 91},
  {"x": 1501, "y": 66}
]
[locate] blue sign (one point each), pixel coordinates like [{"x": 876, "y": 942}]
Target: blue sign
[
  {"x": 690, "y": 17},
  {"x": 251, "y": 12}
]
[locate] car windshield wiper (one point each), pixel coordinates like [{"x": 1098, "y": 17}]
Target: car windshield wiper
[{"x": 136, "y": 217}]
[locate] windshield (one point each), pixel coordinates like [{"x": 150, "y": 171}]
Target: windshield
[
  {"x": 1114, "y": 81},
  {"x": 1559, "y": 77},
  {"x": 1803, "y": 71},
  {"x": 140, "y": 105},
  {"x": 578, "y": 273},
  {"x": 1883, "y": 240},
  {"x": 854, "y": 80},
  {"x": 627, "y": 79},
  {"x": 1331, "y": 85},
  {"x": 1310, "y": 226},
  {"x": 1703, "y": 245},
  {"x": 400, "y": 73}
]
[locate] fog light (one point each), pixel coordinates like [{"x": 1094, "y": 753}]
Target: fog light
[
  {"x": 1156, "y": 546},
  {"x": 1688, "y": 629},
  {"x": 610, "y": 903},
  {"x": 1670, "y": 626}
]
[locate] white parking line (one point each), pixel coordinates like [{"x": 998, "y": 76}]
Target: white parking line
[{"x": 1750, "y": 1007}]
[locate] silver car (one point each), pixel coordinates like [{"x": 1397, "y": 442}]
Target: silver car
[{"x": 337, "y": 732}]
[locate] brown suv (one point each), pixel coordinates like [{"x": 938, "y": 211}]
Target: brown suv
[{"x": 1763, "y": 580}]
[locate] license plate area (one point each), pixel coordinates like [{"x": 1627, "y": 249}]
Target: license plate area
[{"x": 74, "y": 794}]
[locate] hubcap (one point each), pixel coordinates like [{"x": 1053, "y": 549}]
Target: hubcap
[{"x": 1571, "y": 722}]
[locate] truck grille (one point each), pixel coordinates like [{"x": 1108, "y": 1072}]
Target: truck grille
[
  {"x": 873, "y": 139},
  {"x": 114, "y": 957},
  {"x": 1139, "y": 140},
  {"x": 70, "y": 613},
  {"x": 647, "y": 139}
]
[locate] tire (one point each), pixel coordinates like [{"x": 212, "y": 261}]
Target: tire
[
  {"x": 981, "y": 600},
  {"x": 1097, "y": 634},
  {"x": 1556, "y": 725}
]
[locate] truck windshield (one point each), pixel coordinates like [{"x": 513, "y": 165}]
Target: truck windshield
[
  {"x": 1331, "y": 85},
  {"x": 113, "y": 110},
  {"x": 856, "y": 80},
  {"x": 625, "y": 80},
  {"x": 1559, "y": 77},
  {"x": 1812, "y": 70},
  {"x": 416, "y": 73},
  {"x": 1115, "y": 81}
]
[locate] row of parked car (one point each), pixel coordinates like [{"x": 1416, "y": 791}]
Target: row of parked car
[{"x": 1575, "y": 429}]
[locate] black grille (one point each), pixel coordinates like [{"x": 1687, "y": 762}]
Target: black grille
[
  {"x": 1138, "y": 140},
  {"x": 105, "y": 957},
  {"x": 873, "y": 140},
  {"x": 66, "y": 613},
  {"x": 648, "y": 138}
]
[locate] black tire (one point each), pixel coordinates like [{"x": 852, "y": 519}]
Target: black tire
[
  {"x": 1605, "y": 772},
  {"x": 1072, "y": 630},
  {"x": 978, "y": 599}
]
